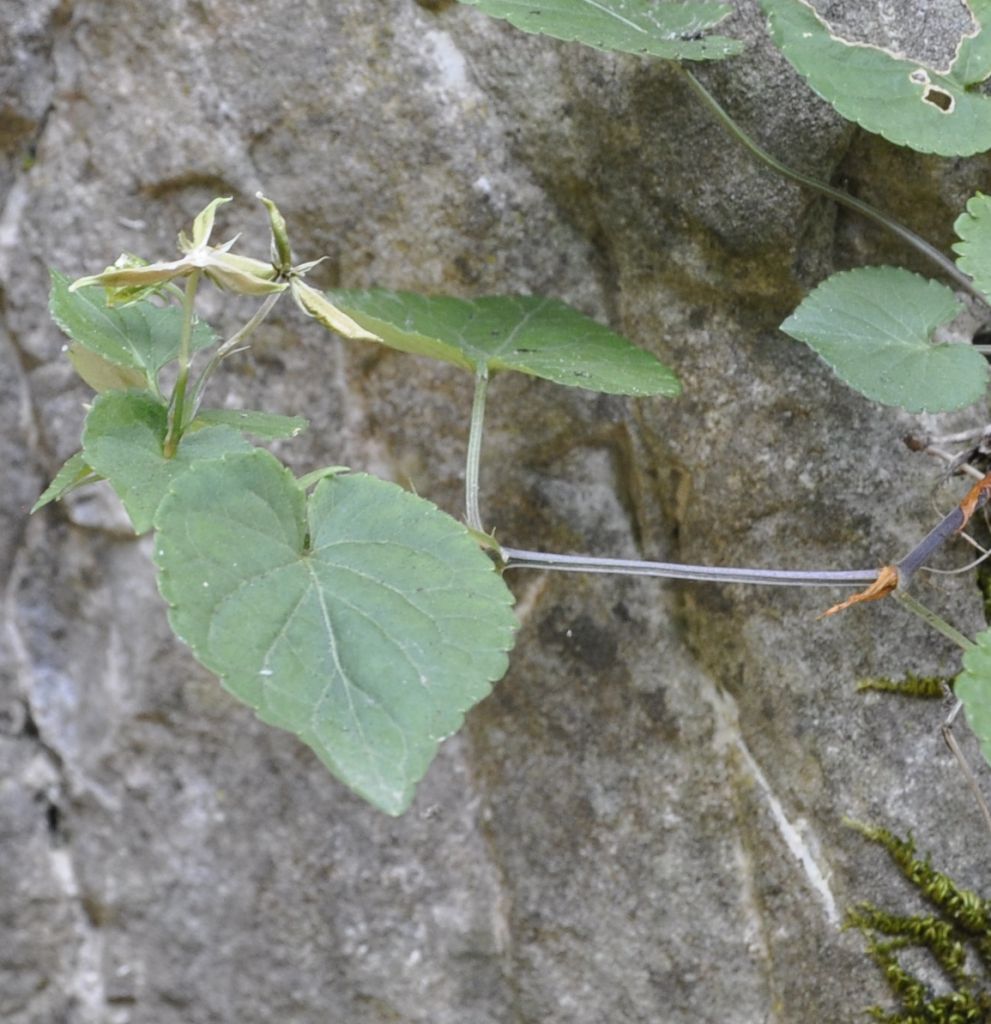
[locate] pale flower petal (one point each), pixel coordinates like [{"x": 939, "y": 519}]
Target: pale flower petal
[{"x": 314, "y": 304}]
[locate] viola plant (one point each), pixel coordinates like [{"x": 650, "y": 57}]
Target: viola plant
[
  {"x": 338, "y": 606},
  {"x": 366, "y": 620},
  {"x": 338, "y": 627}
]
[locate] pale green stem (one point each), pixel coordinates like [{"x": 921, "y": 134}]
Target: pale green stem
[
  {"x": 931, "y": 618},
  {"x": 837, "y": 195},
  {"x": 227, "y": 347},
  {"x": 472, "y": 514},
  {"x": 177, "y": 405}
]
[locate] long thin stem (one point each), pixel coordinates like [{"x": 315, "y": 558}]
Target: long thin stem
[
  {"x": 951, "y": 741},
  {"x": 946, "y": 265},
  {"x": 932, "y": 619},
  {"x": 473, "y": 461},
  {"x": 228, "y": 346},
  {"x": 178, "y": 403},
  {"x": 515, "y": 558}
]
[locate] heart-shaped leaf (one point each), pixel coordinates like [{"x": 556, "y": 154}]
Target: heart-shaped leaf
[
  {"x": 73, "y": 473},
  {"x": 874, "y": 327},
  {"x": 973, "y": 687},
  {"x": 670, "y": 30},
  {"x": 264, "y": 425},
  {"x": 908, "y": 102},
  {"x": 141, "y": 336},
  {"x": 973, "y": 228},
  {"x": 533, "y": 335},
  {"x": 363, "y": 619},
  {"x": 123, "y": 439}
]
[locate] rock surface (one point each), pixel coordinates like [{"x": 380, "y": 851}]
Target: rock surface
[{"x": 644, "y": 822}]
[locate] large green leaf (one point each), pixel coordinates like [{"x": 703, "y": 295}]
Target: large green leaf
[
  {"x": 141, "y": 336},
  {"x": 661, "y": 29},
  {"x": 123, "y": 439},
  {"x": 534, "y": 335},
  {"x": 910, "y": 103},
  {"x": 973, "y": 687},
  {"x": 363, "y": 619},
  {"x": 874, "y": 328},
  {"x": 973, "y": 227}
]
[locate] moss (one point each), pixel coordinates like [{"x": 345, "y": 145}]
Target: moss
[
  {"x": 956, "y": 936},
  {"x": 910, "y": 686}
]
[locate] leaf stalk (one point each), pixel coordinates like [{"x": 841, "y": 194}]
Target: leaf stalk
[
  {"x": 515, "y": 558},
  {"x": 474, "y": 457},
  {"x": 945, "y": 264}
]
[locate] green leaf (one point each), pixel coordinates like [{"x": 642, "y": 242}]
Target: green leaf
[
  {"x": 910, "y": 103},
  {"x": 541, "y": 337},
  {"x": 973, "y": 227},
  {"x": 102, "y": 375},
  {"x": 264, "y": 425},
  {"x": 123, "y": 438},
  {"x": 973, "y": 687},
  {"x": 874, "y": 327},
  {"x": 667, "y": 29},
  {"x": 73, "y": 473},
  {"x": 141, "y": 336},
  {"x": 311, "y": 479},
  {"x": 363, "y": 619}
]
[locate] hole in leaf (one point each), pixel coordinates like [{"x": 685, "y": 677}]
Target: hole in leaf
[
  {"x": 982, "y": 336},
  {"x": 939, "y": 98}
]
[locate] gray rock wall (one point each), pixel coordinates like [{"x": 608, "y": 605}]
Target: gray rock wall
[{"x": 643, "y": 823}]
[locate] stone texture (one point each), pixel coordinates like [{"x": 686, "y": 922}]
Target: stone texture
[{"x": 643, "y": 822}]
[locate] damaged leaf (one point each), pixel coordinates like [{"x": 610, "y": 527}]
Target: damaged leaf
[{"x": 910, "y": 103}]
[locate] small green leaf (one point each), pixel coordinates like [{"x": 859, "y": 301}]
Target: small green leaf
[
  {"x": 311, "y": 479},
  {"x": 264, "y": 425},
  {"x": 670, "y": 30},
  {"x": 73, "y": 473},
  {"x": 973, "y": 227},
  {"x": 102, "y": 375},
  {"x": 533, "y": 335},
  {"x": 908, "y": 102},
  {"x": 123, "y": 438},
  {"x": 874, "y": 327},
  {"x": 364, "y": 619},
  {"x": 141, "y": 336},
  {"x": 973, "y": 687}
]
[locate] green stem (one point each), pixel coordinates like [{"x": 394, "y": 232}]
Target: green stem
[
  {"x": 946, "y": 265},
  {"x": 227, "y": 348},
  {"x": 931, "y": 618},
  {"x": 177, "y": 405},
  {"x": 472, "y": 514}
]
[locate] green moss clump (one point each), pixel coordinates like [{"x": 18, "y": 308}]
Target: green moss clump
[{"x": 957, "y": 937}]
